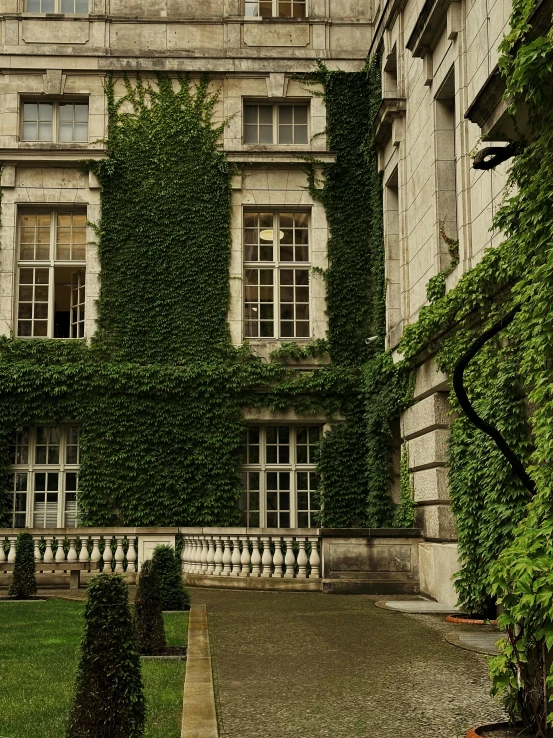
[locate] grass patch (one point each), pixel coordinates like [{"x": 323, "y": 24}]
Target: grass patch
[{"x": 39, "y": 645}]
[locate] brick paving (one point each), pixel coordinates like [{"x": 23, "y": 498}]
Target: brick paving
[{"x": 309, "y": 665}]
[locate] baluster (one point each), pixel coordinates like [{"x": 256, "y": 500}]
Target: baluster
[
  {"x": 227, "y": 556},
  {"x": 95, "y": 556},
  {"x": 131, "y": 556},
  {"x": 72, "y": 553},
  {"x": 2, "y": 552},
  {"x": 119, "y": 555},
  {"x": 235, "y": 558},
  {"x": 36, "y": 541},
  {"x": 48, "y": 554},
  {"x": 84, "y": 556},
  {"x": 278, "y": 558},
  {"x": 267, "y": 558},
  {"x": 60, "y": 553},
  {"x": 315, "y": 559},
  {"x": 211, "y": 556},
  {"x": 184, "y": 554},
  {"x": 192, "y": 555},
  {"x": 108, "y": 556},
  {"x": 256, "y": 558},
  {"x": 11, "y": 552},
  {"x": 205, "y": 550},
  {"x": 218, "y": 558},
  {"x": 197, "y": 555},
  {"x": 302, "y": 559},
  {"x": 245, "y": 558},
  {"x": 290, "y": 558}
]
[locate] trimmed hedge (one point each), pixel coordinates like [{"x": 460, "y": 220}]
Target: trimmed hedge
[
  {"x": 167, "y": 566},
  {"x": 109, "y": 697},
  {"x": 23, "y": 583},
  {"x": 150, "y": 629}
]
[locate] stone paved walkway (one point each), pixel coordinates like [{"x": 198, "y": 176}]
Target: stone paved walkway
[{"x": 330, "y": 666}]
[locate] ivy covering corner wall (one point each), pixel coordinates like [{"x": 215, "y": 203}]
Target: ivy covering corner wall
[{"x": 160, "y": 389}]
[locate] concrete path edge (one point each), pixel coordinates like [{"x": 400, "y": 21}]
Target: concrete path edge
[{"x": 199, "y": 717}]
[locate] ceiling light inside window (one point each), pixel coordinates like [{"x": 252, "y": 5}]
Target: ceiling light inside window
[{"x": 268, "y": 235}]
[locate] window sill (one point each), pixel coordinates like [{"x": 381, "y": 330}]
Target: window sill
[{"x": 280, "y": 157}]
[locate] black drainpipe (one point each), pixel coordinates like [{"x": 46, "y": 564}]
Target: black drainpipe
[{"x": 459, "y": 387}]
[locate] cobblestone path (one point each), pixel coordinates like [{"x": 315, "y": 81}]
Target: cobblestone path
[{"x": 330, "y": 666}]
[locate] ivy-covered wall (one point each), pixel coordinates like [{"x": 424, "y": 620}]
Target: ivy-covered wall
[{"x": 160, "y": 389}]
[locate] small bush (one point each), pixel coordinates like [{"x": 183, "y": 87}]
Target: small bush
[
  {"x": 109, "y": 697},
  {"x": 23, "y": 583},
  {"x": 150, "y": 629},
  {"x": 174, "y": 595}
]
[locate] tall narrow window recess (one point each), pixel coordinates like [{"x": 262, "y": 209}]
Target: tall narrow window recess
[
  {"x": 43, "y": 476},
  {"x": 51, "y": 275},
  {"x": 446, "y": 165},
  {"x": 276, "y": 275},
  {"x": 276, "y": 124},
  {"x": 71, "y": 7},
  {"x": 276, "y": 8},
  {"x": 278, "y": 476},
  {"x": 55, "y": 121}
]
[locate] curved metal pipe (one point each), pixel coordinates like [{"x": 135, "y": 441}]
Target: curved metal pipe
[{"x": 459, "y": 387}]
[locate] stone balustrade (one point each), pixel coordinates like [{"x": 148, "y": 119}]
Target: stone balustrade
[
  {"x": 276, "y": 555},
  {"x": 113, "y": 553},
  {"x": 369, "y": 561}
]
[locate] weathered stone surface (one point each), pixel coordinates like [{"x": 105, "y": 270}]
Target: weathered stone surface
[
  {"x": 428, "y": 450},
  {"x": 425, "y": 416}
]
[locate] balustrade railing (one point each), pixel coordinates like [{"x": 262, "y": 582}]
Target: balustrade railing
[
  {"x": 248, "y": 555},
  {"x": 117, "y": 553},
  {"x": 290, "y": 554}
]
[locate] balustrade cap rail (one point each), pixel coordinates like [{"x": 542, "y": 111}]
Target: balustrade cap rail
[{"x": 214, "y": 531}]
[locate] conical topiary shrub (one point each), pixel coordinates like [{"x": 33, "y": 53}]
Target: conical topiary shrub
[
  {"x": 150, "y": 629},
  {"x": 23, "y": 583},
  {"x": 109, "y": 697},
  {"x": 174, "y": 595}
]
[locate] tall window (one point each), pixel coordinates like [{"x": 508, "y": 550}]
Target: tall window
[
  {"x": 57, "y": 6},
  {"x": 276, "y": 8},
  {"x": 276, "y": 275},
  {"x": 278, "y": 476},
  {"x": 269, "y": 124},
  {"x": 55, "y": 121},
  {"x": 51, "y": 275},
  {"x": 43, "y": 477}
]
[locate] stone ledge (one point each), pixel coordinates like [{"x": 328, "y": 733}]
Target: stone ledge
[
  {"x": 199, "y": 717},
  {"x": 251, "y": 583}
]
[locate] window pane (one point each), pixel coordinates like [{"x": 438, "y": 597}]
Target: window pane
[
  {"x": 285, "y": 114},
  {"x": 45, "y": 112},
  {"x": 250, "y": 135},
  {"x": 266, "y": 115},
  {"x": 30, "y": 132},
  {"x": 265, "y": 134},
  {"x": 32, "y": 6},
  {"x": 300, "y": 134}
]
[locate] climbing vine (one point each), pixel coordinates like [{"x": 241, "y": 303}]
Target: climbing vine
[
  {"x": 160, "y": 389},
  {"x": 506, "y": 538}
]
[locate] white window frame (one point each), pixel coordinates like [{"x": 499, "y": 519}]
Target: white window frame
[
  {"x": 55, "y": 103},
  {"x": 31, "y": 468},
  {"x": 58, "y": 8},
  {"x": 51, "y": 264},
  {"x": 276, "y": 266},
  {"x": 249, "y": 5},
  {"x": 293, "y": 467},
  {"x": 276, "y": 106}
]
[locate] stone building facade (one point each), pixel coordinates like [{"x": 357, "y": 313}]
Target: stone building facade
[
  {"x": 441, "y": 93},
  {"x": 54, "y": 58},
  {"x": 440, "y": 90}
]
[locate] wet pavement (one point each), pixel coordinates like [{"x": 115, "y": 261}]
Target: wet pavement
[{"x": 308, "y": 665}]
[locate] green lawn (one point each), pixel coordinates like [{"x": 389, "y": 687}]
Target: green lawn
[{"x": 38, "y": 658}]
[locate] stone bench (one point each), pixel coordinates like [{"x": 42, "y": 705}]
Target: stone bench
[{"x": 73, "y": 567}]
